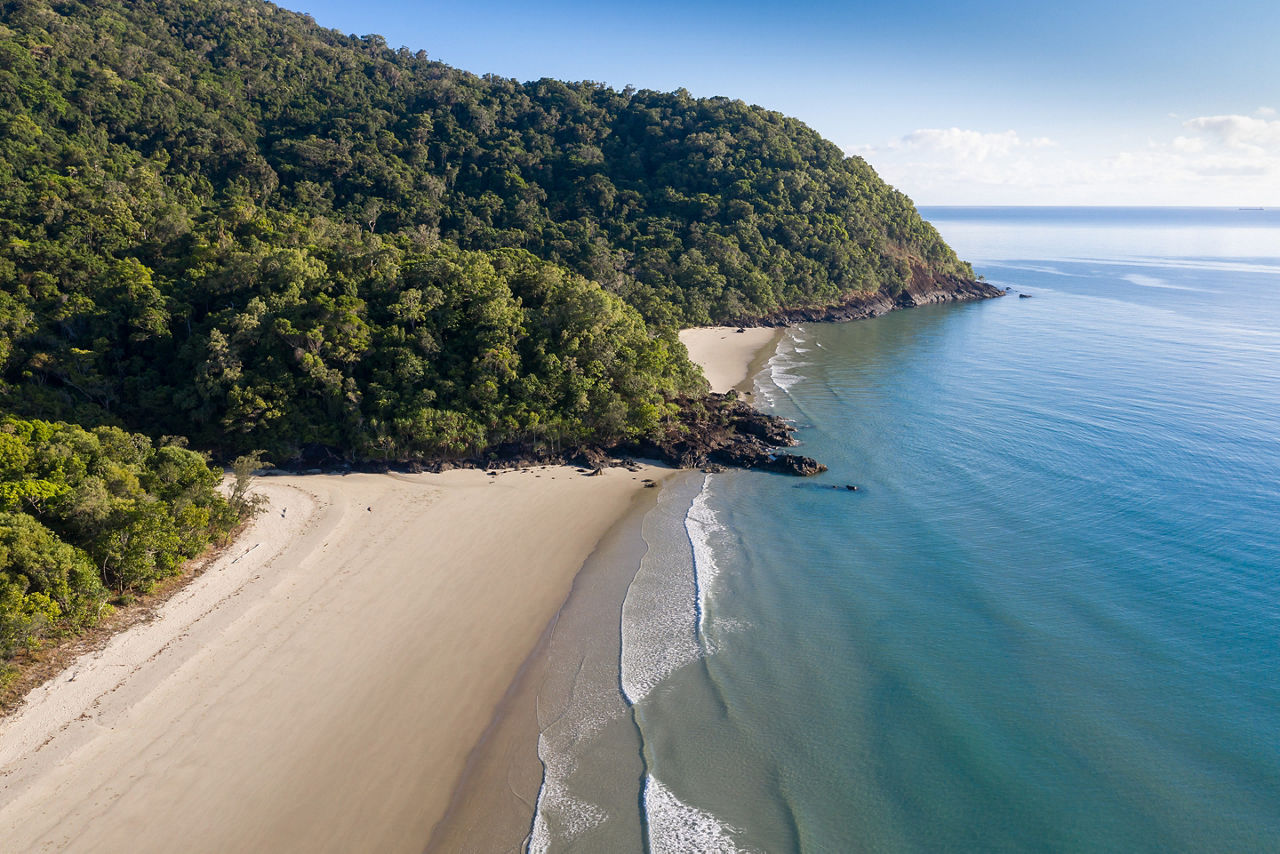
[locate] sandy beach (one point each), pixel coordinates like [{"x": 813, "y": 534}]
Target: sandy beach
[
  {"x": 729, "y": 358},
  {"x": 359, "y": 670},
  {"x": 318, "y": 688}
]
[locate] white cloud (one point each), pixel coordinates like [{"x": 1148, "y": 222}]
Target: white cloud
[
  {"x": 1214, "y": 170},
  {"x": 1210, "y": 160},
  {"x": 967, "y": 144},
  {"x": 1245, "y": 133}
]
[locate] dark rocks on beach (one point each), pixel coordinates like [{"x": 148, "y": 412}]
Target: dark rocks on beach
[
  {"x": 722, "y": 431},
  {"x": 712, "y": 433},
  {"x": 591, "y": 457}
]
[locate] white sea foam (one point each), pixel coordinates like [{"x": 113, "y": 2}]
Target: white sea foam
[
  {"x": 678, "y": 828},
  {"x": 582, "y": 713},
  {"x": 540, "y": 837},
  {"x": 700, "y": 523},
  {"x": 783, "y": 363},
  {"x": 660, "y": 613},
  {"x": 572, "y": 816},
  {"x": 591, "y": 706},
  {"x": 658, "y": 647},
  {"x": 1145, "y": 281}
]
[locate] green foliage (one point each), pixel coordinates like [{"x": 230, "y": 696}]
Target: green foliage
[
  {"x": 87, "y": 512},
  {"x": 242, "y": 468},
  {"x": 220, "y": 220}
]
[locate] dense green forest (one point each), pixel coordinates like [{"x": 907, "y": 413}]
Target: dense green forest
[
  {"x": 85, "y": 514},
  {"x": 222, "y": 224},
  {"x": 222, "y": 221}
]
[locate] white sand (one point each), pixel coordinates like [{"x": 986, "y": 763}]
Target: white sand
[
  {"x": 726, "y": 355},
  {"x": 320, "y": 686}
]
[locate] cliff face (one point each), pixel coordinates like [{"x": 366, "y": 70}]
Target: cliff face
[{"x": 922, "y": 289}]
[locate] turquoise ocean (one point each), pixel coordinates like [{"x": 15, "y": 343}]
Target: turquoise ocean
[{"x": 1047, "y": 620}]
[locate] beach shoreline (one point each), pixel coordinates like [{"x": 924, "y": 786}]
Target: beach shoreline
[
  {"x": 322, "y": 684},
  {"x": 493, "y": 807}
]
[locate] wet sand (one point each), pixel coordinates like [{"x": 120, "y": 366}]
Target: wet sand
[{"x": 492, "y": 810}]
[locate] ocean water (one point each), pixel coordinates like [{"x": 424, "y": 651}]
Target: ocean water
[{"x": 1047, "y": 620}]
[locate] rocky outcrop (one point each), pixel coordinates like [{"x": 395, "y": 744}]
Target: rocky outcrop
[
  {"x": 718, "y": 431},
  {"x": 721, "y": 430},
  {"x": 793, "y": 464}
]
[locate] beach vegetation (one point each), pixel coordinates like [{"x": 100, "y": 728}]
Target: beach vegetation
[
  {"x": 88, "y": 515},
  {"x": 243, "y": 502}
]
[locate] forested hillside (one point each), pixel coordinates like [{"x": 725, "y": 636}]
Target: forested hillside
[{"x": 220, "y": 220}]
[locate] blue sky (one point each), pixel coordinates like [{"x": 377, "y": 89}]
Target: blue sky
[{"x": 998, "y": 102}]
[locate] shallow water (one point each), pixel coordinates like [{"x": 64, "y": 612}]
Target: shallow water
[{"x": 1048, "y": 618}]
